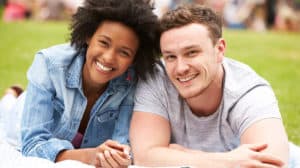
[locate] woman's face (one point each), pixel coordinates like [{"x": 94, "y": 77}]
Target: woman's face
[{"x": 111, "y": 50}]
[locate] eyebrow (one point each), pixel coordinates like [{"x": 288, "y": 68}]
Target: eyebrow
[
  {"x": 124, "y": 47},
  {"x": 166, "y": 52},
  {"x": 190, "y": 47},
  {"x": 129, "y": 49},
  {"x": 185, "y": 48},
  {"x": 104, "y": 36}
]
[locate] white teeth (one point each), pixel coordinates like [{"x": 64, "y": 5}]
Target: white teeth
[
  {"x": 102, "y": 67},
  {"x": 185, "y": 79}
]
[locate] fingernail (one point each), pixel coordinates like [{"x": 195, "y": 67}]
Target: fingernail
[
  {"x": 129, "y": 157},
  {"x": 100, "y": 155},
  {"x": 126, "y": 151}
]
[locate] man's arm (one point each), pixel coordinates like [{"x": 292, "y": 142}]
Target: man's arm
[
  {"x": 150, "y": 137},
  {"x": 270, "y": 131},
  {"x": 257, "y": 119}
]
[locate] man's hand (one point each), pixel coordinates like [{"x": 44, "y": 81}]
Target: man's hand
[{"x": 249, "y": 156}]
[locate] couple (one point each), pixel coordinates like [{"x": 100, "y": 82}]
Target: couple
[{"x": 197, "y": 108}]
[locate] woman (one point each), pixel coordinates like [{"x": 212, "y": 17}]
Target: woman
[{"x": 80, "y": 95}]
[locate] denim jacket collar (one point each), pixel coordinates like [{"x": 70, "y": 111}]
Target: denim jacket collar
[{"x": 74, "y": 76}]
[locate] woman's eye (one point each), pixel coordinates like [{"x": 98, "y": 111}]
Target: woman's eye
[
  {"x": 125, "y": 53},
  {"x": 103, "y": 43}
]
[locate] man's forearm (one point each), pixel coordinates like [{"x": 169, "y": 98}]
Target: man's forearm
[
  {"x": 168, "y": 156},
  {"x": 243, "y": 156}
]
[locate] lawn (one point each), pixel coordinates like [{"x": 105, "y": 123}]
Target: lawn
[
  {"x": 19, "y": 43},
  {"x": 275, "y": 56}
]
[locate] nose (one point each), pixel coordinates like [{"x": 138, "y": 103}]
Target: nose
[
  {"x": 109, "y": 56},
  {"x": 182, "y": 66}
]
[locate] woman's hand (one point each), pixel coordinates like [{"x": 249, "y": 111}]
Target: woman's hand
[{"x": 112, "y": 154}]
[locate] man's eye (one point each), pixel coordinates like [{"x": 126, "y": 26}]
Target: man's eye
[
  {"x": 192, "y": 53},
  {"x": 169, "y": 57}
]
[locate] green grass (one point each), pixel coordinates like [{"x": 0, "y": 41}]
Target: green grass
[
  {"x": 19, "y": 43},
  {"x": 275, "y": 56}
]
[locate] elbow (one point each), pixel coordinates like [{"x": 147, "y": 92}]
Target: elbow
[{"x": 140, "y": 159}]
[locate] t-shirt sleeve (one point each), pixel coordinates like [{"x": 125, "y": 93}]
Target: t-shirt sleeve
[
  {"x": 257, "y": 104},
  {"x": 151, "y": 96}
]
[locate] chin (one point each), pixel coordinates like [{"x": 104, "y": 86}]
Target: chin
[
  {"x": 187, "y": 95},
  {"x": 190, "y": 93}
]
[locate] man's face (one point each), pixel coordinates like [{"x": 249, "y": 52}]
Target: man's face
[{"x": 191, "y": 59}]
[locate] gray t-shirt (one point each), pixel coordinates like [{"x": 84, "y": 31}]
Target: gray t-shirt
[{"x": 247, "y": 98}]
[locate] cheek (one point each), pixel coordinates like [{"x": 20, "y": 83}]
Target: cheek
[
  {"x": 169, "y": 70},
  {"x": 89, "y": 54},
  {"x": 167, "y": 67},
  {"x": 125, "y": 63}
]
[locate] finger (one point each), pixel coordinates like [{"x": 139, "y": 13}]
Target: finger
[
  {"x": 263, "y": 165},
  {"x": 103, "y": 161},
  {"x": 101, "y": 148},
  {"x": 97, "y": 163},
  {"x": 126, "y": 149},
  {"x": 257, "y": 147},
  {"x": 114, "y": 145},
  {"x": 120, "y": 159},
  {"x": 109, "y": 145},
  {"x": 269, "y": 159},
  {"x": 110, "y": 159}
]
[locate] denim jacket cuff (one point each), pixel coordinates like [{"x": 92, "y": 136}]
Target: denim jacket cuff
[{"x": 51, "y": 149}]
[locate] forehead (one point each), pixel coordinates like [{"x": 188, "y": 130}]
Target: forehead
[
  {"x": 191, "y": 34},
  {"x": 117, "y": 32},
  {"x": 115, "y": 28}
]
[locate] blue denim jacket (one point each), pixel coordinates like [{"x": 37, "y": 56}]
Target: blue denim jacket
[{"x": 55, "y": 103}]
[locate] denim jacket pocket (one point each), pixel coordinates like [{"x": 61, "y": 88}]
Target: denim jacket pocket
[{"x": 108, "y": 115}]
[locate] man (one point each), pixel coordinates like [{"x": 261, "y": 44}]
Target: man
[{"x": 202, "y": 109}]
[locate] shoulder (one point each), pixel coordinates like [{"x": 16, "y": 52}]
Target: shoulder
[
  {"x": 157, "y": 82},
  {"x": 240, "y": 78},
  {"x": 58, "y": 55},
  {"x": 53, "y": 62}
]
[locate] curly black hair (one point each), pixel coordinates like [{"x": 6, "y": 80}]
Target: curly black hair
[{"x": 136, "y": 14}]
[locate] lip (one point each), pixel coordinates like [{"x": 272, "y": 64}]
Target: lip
[
  {"x": 103, "y": 68},
  {"x": 186, "y": 78}
]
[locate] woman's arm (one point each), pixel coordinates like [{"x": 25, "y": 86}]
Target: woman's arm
[
  {"x": 38, "y": 113},
  {"x": 110, "y": 153}
]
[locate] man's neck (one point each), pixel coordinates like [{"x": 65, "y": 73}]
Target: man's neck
[{"x": 208, "y": 102}]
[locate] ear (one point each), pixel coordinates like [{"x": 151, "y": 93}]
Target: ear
[{"x": 220, "y": 49}]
